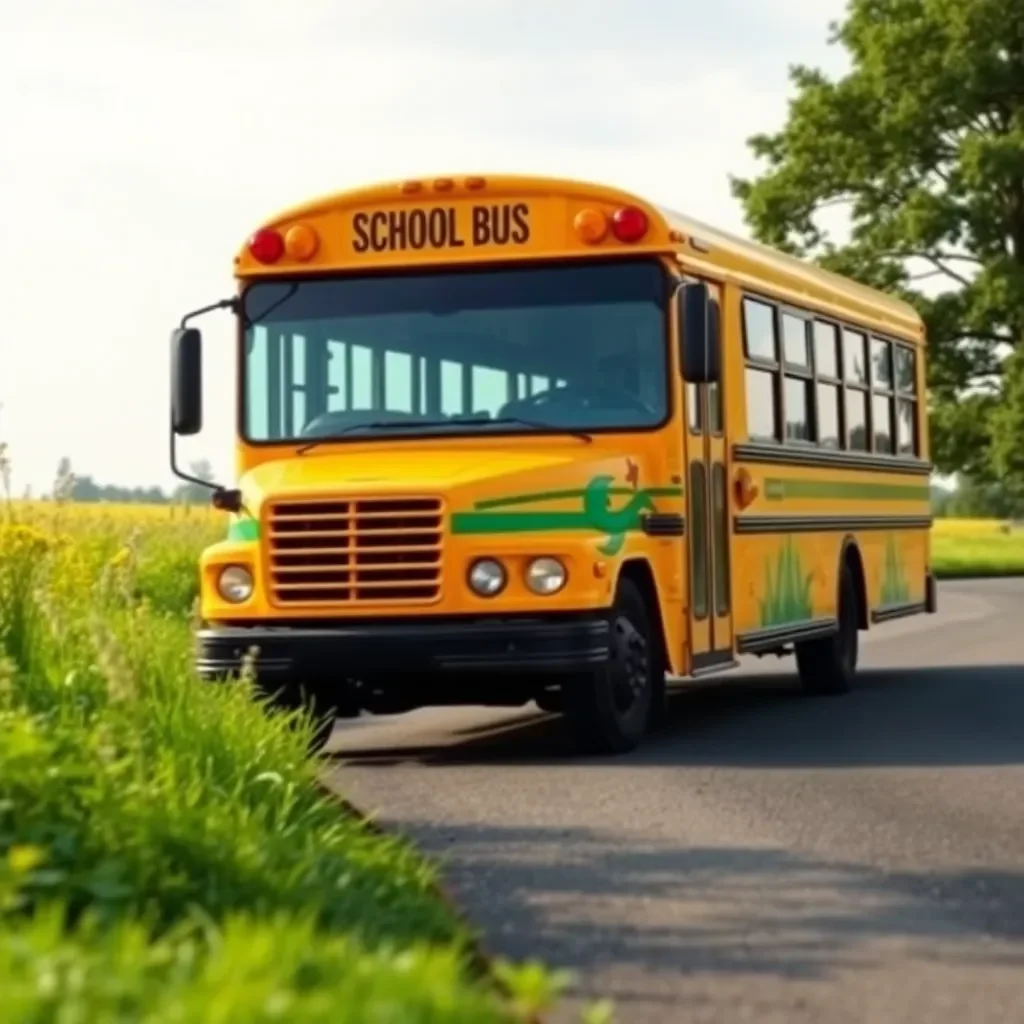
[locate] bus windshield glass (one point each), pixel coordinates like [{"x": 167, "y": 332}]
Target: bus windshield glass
[{"x": 455, "y": 352}]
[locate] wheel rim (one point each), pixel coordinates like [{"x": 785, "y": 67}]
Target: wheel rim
[{"x": 631, "y": 668}]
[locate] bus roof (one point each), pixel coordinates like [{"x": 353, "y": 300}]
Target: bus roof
[
  {"x": 757, "y": 262},
  {"x": 699, "y": 246}
]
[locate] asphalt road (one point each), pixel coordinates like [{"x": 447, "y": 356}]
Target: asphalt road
[{"x": 767, "y": 857}]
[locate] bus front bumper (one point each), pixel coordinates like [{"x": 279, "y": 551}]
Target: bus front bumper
[{"x": 334, "y": 651}]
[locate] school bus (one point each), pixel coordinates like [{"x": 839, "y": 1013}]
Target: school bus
[{"x": 508, "y": 439}]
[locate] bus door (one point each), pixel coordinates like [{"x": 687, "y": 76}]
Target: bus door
[{"x": 710, "y": 605}]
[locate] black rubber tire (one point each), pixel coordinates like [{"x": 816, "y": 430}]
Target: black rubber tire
[
  {"x": 828, "y": 665},
  {"x": 598, "y": 710},
  {"x": 549, "y": 701}
]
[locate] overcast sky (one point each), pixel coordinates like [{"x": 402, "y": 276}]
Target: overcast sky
[{"x": 142, "y": 141}]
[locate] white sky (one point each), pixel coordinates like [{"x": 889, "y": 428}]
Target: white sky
[{"x": 142, "y": 140}]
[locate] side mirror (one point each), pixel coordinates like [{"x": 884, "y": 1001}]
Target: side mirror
[
  {"x": 701, "y": 342},
  {"x": 186, "y": 381}
]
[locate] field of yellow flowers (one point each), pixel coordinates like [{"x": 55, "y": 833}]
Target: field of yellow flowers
[
  {"x": 165, "y": 852},
  {"x": 977, "y": 547}
]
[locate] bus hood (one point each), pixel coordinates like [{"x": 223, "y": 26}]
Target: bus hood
[
  {"x": 435, "y": 472},
  {"x": 482, "y": 488}
]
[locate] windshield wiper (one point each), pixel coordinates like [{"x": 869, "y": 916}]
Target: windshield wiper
[
  {"x": 415, "y": 424},
  {"x": 373, "y": 425},
  {"x": 536, "y": 425}
]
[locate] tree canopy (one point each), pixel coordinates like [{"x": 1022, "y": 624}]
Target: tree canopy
[{"x": 922, "y": 144}]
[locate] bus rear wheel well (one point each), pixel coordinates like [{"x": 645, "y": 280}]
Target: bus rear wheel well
[
  {"x": 851, "y": 560},
  {"x": 638, "y": 571}
]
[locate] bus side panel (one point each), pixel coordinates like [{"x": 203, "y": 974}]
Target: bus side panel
[
  {"x": 789, "y": 579},
  {"x": 785, "y": 579},
  {"x": 895, "y": 566}
]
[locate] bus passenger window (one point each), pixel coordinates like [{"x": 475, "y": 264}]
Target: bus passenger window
[
  {"x": 795, "y": 343},
  {"x": 906, "y": 434},
  {"x": 857, "y": 420},
  {"x": 828, "y": 416},
  {"x": 761, "y": 418},
  {"x": 855, "y": 357},
  {"x": 798, "y": 409},
  {"x": 759, "y": 327},
  {"x": 881, "y": 414},
  {"x": 826, "y": 345}
]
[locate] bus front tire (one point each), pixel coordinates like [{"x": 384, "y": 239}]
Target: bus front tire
[
  {"x": 608, "y": 711},
  {"x": 827, "y": 665}
]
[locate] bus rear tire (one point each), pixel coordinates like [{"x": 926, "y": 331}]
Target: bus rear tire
[
  {"x": 609, "y": 711},
  {"x": 827, "y": 665}
]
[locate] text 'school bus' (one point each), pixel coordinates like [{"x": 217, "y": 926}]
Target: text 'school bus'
[{"x": 512, "y": 439}]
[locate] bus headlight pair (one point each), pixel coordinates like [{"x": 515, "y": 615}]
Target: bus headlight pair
[{"x": 544, "y": 576}]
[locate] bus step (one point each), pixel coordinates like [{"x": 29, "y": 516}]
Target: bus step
[{"x": 708, "y": 670}]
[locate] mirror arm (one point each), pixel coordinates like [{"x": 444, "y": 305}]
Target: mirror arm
[
  {"x": 181, "y": 474},
  {"x": 231, "y": 304}
]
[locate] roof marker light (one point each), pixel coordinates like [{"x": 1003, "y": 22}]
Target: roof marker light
[
  {"x": 444, "y": 185},
  {"x": 629, "y": 224},
  {"x": 412, "y": 187},
  {"x": 266, "y": 246},
  {"x": 476, "y": 183}
]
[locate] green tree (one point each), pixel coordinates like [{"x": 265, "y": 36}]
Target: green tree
[{"x": 922, "y": 144}]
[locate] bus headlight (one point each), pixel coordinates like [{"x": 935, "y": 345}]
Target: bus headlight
[
  {"x": 235, "y": 584},
  {"x": 487, "y": 577},
  {"x": 545, "y": 576}
]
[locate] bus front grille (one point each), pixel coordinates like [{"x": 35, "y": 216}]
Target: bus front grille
[{"x": 355, "y": 551}]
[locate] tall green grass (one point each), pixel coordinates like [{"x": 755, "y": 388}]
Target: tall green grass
[{"x": 165, "y": 851}]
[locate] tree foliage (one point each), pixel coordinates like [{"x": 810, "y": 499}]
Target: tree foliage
[{"x": 922, "y": 144}]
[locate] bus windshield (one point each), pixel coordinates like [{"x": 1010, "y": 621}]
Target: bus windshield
[{"x": 557, "y": 348}]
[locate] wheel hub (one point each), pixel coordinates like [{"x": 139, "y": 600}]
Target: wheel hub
[{"x": 630, "y": 664}]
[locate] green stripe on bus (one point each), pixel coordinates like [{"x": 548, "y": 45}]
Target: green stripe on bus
[
  {"x": 782, "y": 489},
  {"x": 538, "y": 497}
]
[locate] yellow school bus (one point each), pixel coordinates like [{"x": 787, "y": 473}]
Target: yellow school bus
[{"x": 510, "y": 439}]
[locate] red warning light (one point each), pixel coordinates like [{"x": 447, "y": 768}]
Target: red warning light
[
  {"x": 266, "y": 246},
  {"x": 629, "y": 224}
]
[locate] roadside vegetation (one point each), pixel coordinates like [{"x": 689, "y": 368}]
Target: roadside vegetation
[
  {"x": 977, "y": 547},
  {"x": 165, "y": 851}
]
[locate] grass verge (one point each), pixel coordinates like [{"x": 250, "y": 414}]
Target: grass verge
[{"x": 166, "y": 853}]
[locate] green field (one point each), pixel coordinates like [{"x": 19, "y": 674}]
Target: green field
[
  {"x": 976, "y": 547},
  {"x": 166, "y": 854}
]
